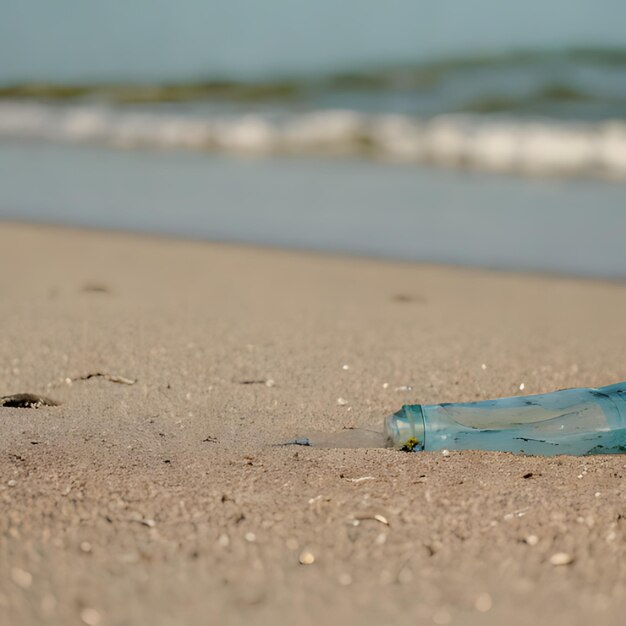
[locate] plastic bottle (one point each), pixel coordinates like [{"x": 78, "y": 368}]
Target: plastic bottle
[{"x": 569, "y": 421}]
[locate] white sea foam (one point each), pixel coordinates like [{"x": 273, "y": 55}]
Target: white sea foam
[{"x": 533, "y": 147}]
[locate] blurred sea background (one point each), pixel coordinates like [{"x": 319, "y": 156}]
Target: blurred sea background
[{"x": 480, "y": 132}]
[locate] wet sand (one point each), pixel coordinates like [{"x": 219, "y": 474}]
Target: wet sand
[{"x": 155, "y": 492}]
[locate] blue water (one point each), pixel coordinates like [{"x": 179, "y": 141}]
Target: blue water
[{"x": 354, "y": 206}]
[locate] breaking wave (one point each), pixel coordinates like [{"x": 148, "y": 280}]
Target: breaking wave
[{"x": 519, "y": 145}]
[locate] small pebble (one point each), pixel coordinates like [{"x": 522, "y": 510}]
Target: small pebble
[
  {"x": 484, "y": 366},
  {"x": 223, "y": 540},
  {"x": 270, "y": 382},
  {"x": 385, "y": 385},
  {"x": 342, "y": 402},
  {"x": 306, "y": 558},
  {"x": 91, "y": 617},
  {"x": 561, "y": 558},
  {"x": 521, "y": 387},
  {"x": 361, "y": 479},
  {"x": 532, "y": 540},
  {"x": 445, "y": 452},
  {"x": 483, "y": 603},
  {"x": 12, "y": 483},
  {"x": 345, "y": 367},
  {"x": 381, "y": 539},
  {"x": 598, "y": 494},
  {"x": 21, "y": 577},
  {"x": 250, "y": 537},
  {"x": 85, "y": 546},
  {"x": 48, "y": 603}
]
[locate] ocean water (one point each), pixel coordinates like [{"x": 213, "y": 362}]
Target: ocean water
[
  {"x": 396, "y": 211},
  {"x": 362, "y": 127},
  {"x": 534, "y": 113}
]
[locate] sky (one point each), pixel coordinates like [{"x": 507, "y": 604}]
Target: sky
[{"x": 146, "y": 40}]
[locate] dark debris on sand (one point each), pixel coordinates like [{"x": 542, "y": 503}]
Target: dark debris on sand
[{"x": 26, "y": 401}]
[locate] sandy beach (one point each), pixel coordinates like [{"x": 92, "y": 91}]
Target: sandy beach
[{"x": 155, "y": 493}]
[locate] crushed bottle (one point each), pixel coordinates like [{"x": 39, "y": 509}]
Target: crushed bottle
[{"x": 570, "y": 421}]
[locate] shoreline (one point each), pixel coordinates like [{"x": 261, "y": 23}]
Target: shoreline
[
  {"x": 338, "y": 255},
  {"x": 373, "y": 210}
]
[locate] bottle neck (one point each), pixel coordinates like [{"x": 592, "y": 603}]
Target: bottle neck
[{"x": 405, "y": 428}]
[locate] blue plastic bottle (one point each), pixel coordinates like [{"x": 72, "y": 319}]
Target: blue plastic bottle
[{"x": 569, "y": 421}]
